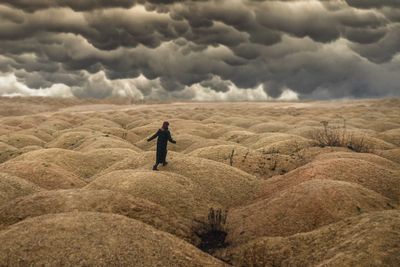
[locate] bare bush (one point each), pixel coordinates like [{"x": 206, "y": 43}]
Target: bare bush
[
  {"x": 337, "y": 136},
  {"x": 217, "y": 219},
  {"x": 330, "y": 135},
  {"x": 358, "y": 144}
]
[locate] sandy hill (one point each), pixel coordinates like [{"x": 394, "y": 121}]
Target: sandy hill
[
  {"x": 225, "y": 185},
  {"x": 370, "y": 175},
  {"x": 77, "y": 186},
  {"x": 303, "y": 208},
  {"x": 105, "y": 201},
  {"x": 95, "y": 239},
  {"x": 354, "y": 241}
]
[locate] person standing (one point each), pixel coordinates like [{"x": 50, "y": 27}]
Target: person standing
[{"x": 164, "y": 136}]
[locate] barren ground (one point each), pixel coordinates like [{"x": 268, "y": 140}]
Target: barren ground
[{"x": 77, "y": 189}]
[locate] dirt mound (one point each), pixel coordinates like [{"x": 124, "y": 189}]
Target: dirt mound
[
  {"x": 137, "y": 122},
  {"x": 236, "y": 136},
  {"x": 226, "y": 185},
  {"x": 303, "y": 208},
  {"x": 371, "y": 142},
  {"x": 368, "y": 174},
  {"x": 368, "y": 240},
  {"x": 363, "y": 156},
  {"x": 391, "y": 136},
  {"x": 39, "y": 133},
  {"x": 288, "y": 146},
  {"x": 266, "y": 139},
  {"x": 241, "y": 121},
  {"x": 98, "y": 122},
  {"x": 215, "y": 130},
  {"x": 59, "y": 201},
  {"x": 95, "y": 239},
  {"x": 249, "y": 160},
  {"x": 392, "y": 154},
  {"x": 105, "y": 141},
  {"x": 381, "y": 125},
  {"x": 44, "y": 174},
  {"x": 29, "y": 149},
  {"x": 54, "y": 124},
  {"x": 121, "y": 118},
  {"x": 266, "y": 127},
  {"x": 7, "y": 152},
  {"x": 170, "y": 190},
  {"x": 12, "y": 187},
  {"x": 145, "y": 131},
  {"x": 85, "y": 165},
  {"x": 21, "y": 140},
  {"x": 305, "y": 131},
  {"x": 69, "y": 140}
]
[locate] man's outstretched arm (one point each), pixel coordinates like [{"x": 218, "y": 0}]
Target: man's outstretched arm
[
  {"x": 170, "y": 138},
  {"x": 152, "y": 137}
]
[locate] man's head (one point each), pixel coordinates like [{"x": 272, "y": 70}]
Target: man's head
[{"x": 165, "y": 125}]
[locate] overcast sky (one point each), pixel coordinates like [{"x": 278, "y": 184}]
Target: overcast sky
[{"x": 204, "y": 50}]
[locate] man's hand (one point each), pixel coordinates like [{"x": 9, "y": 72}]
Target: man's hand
[{"x": 174, "y": 142}]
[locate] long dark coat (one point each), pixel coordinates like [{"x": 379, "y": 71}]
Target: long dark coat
[{"x": 164, "y": 136}]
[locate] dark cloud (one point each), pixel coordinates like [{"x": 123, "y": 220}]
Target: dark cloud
[
  {"x": 78, "y": 5},
  {"x": 201, "y": 49},
  {"x": 373, "y": 3}
]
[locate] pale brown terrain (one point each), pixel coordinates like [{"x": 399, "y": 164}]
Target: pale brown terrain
[{"x": 77, "y": 189}]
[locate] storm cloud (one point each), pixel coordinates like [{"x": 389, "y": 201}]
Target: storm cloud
[{"x": 201, "y": 50}]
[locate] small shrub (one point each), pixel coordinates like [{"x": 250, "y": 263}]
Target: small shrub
[
  {"x": 358, "y": 144},
  {"x": 216, "y": 219},
  {"x": 215, "y": 234},
  {"x": 330, "y": 136},
  {"x": 337, "y": 136}
]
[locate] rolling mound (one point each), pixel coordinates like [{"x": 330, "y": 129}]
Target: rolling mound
[
  {"x": 77, "y": 186},
  {"x": 170, "y": 190},
  {"x": 372, "y": 142},
  {"x": 99, "y": 122},
  {"x": 391, "y": 136},
  {"x": 265, "y": 139},
  {"x": 288, "y": 147},
  {"x": 305, "y": 131},
  {"x": 60, "y": 201},
  {"x": 392, "y": 154},
  {"x": 54, "y": 124},
  {"x": 104, "y": 141},
  {"x": 236, "y": 136},
  {"x": 7, "y": 152},
  {"x": 85, "y": 165},
  {"x": 46, "y": 175},
  {"x": 69, "y": 140},
  {"x": 354, "y": 241},
  {"x": 39, "y": 133},
  {"x": 95, "y": 239},
  {"x": 12, "y": 187},
  {"x": 363, "y": 156},
  {"x": 303, "y": 208},
  {"x": 274, "y": 126},
  {"x": 226, "y": 185},
  {"x": 249, "y": 160},
  {"x": 21, "y": 140},
  {"x": 372, "y": 176}
]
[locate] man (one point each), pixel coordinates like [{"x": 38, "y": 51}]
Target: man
[{"x": 164, "y": 136}]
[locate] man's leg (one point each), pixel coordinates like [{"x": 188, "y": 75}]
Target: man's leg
[
  {"x": 165, "y": 158},
  {"x": 155, "y": 166}
]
